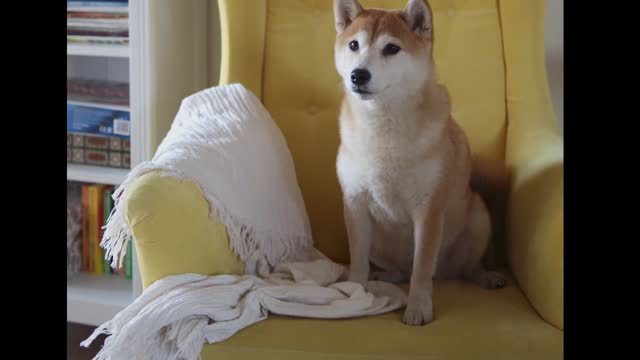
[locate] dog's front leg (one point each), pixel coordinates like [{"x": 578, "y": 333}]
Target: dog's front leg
[
  {"x": 359, "y": 228},
  {"x": 427, "y": 233}
]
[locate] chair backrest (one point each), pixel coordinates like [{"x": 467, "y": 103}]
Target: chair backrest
[{"x": 287, "y": 60}]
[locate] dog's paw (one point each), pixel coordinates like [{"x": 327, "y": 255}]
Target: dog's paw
[
  {"x": 418, "y": 313},
  {"x": 359, "y": 278}
]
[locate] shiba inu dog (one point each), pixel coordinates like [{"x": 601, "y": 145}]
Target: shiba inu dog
[{"x": 404, "y": 164}]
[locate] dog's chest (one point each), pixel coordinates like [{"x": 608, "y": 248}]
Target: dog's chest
[{"x": 393, "y": 183}]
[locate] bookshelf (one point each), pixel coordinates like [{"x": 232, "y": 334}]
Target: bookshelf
[
  {"x": 97, "y": 174},
  {"x": 94, "y": 299},
  {"x": 166, "y": 60},
  {"x": 98, "y": 50}
]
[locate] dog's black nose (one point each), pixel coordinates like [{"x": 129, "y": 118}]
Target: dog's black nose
[{"x": 360, "y": 76}]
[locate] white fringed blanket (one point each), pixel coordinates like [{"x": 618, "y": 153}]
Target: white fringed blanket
[
  {"x": 225, "y": 141},
  {"x": 175, "y": 316}
]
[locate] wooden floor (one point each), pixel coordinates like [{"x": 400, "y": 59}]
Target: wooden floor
[{"x": 77, "y": 333}]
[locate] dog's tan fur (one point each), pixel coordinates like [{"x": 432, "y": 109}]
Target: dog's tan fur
[{"x": 405, "y": 166}]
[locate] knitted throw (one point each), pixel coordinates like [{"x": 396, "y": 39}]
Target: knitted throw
[{"x": 225, "y": 141}]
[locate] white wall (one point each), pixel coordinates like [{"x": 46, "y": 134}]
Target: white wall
[{"x": 554, "y": 57}]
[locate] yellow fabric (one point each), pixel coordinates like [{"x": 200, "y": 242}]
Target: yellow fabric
[
  {"x": 534, "y": 152},
  {"x": 242, "y": 43},
  {"x": 170, "y": 221},
  {"x": 471, "y": 323},
  {"x": 490, "y": 55}
]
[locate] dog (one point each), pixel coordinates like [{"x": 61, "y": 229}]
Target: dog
[{"x": 404, "y": 165}]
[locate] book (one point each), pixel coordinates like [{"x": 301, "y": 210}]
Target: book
[
  {"x": 90, "y": 3},
  {"x": 95, "y": 213},
  {"x": 92, "y": 120},
  {"x": 105, "y": 33},
  {"x": 99, "y": 9},
  {"x": 97, "y": 16},
  {"x": 98, "y": 6},
  {"x": 97, "y": 2},
  {"x": 74, "y": 227},
  {"x": 86, "y": 254},
  {"x": 98, "y": 150},
  {"x": 96, "y": 142},
  {"x": 77, "y": 156},
  {"x": 97, "y": 40},
  {"x": 127, "y": 259},
  {"x": 107, "y": 24},
  {"x": 98, "y": 91},
  {"x": 96, "y": 157},
  {"x": 115, "y": 159}
]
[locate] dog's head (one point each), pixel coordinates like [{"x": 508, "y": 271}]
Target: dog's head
[{"x": 383, "y": 54}]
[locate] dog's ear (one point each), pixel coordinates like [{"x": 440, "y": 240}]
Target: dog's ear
[
  {"x": 345, "y": 11},
  {"x": 418, "y": 16}
]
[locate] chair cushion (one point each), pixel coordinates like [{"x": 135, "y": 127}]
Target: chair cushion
[{"x": 470, "y": 323}]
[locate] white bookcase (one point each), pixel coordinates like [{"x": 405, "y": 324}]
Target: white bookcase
[{"x": 167, "y": 59}]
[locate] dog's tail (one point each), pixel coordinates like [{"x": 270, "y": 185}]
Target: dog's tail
[{"x": 489, "y": 177}]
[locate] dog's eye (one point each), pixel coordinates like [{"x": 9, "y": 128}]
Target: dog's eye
[
  {"x": 353, "y": 45},
  {"x": 391, "y": 49}
]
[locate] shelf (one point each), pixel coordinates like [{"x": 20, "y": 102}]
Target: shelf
[
  {"x": 96, "y": 174},
  {"x": 98, "y": 105},
  {"x": 98, "y": 50},
  {"x": 93, "y": 299}
]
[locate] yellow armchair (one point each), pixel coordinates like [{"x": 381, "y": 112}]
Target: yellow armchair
[{"x": 490, "y": 54}]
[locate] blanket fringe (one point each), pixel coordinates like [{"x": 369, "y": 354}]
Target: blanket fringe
[{"x": 251, "y": 245}]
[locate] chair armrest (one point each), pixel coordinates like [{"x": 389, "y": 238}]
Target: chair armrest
[
  {"x": 535, "y": 220},
  {"x": 173, "y": 233},
  {"x": 535, "y": 158}
]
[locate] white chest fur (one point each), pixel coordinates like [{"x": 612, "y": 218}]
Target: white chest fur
[{"x": 390, "y": 171}]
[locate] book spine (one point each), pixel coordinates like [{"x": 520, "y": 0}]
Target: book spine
[
  {"x": 106, "y": 210},
  {"x": 84, "y": 203},
  {"x": 128, "y": 260},
  {"x": 95, "y": 3},
  {"x": 91, "y": 120},
  {"x": 94, "y": 203}
]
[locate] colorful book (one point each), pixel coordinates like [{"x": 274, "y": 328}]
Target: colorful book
[
  {"x": 106, "y": 210},
  {"x": 95, "y": 219},
  {"x": 98, "y": 24},
  {"x": 84, "y": 203},
  {"x": 97, "y": 2},
  {"x": 91, "y": 120},
  {"x": 98, "y": 91},
  {"x": 97, "y": 16},
  {"x": 98, "y": 6},
  {"x": 98, "y": 40},
  {"x": 107, "y": 33},
  {"x": 127, "y": 259}
]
